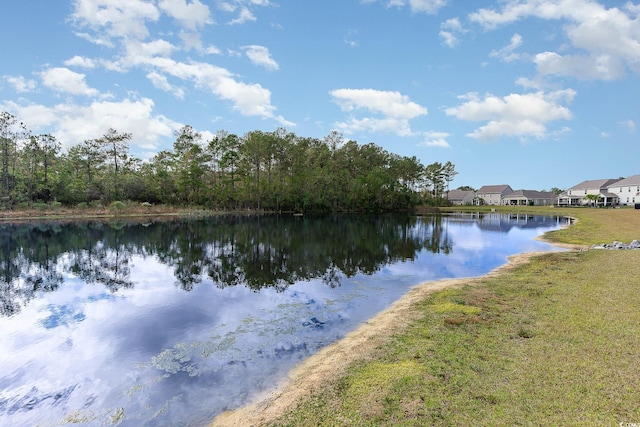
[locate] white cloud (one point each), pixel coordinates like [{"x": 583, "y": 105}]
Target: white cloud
[
  {"x": 427, "y": 6},
  {"x": 80, "y": 61},
  {"x": 64, "y": 80},
  {"x": 449, "y": 30},
  {"x": 259, "y": 55},
  {"x": 396, "y": 109},
  {"x": 436, "y": 139},
  {"x": 20, "y": 84},
  {"x": 606, "y": 41},
  {"x": 159, "y": 81},
  {"x": 416, "y": 6},
  {"x": 508, "y": 53},
  {"x": 247, "y": 99},
  {"x": 139, "y": 53},
  {"x": 245, "y": 15},
  {"x": 389, "y": 103},
  {"x": 351, "y": 38},
  {"x": 226, "y": 6},
  {"x": 125, "y": 22},
  {"x": 117, "y": 18},
  {"x": 520, "y": 115},
  {"x": 449, "y": 38},
  {"x": 629, "y": 124},
  {"x": 452, "y": 24},
  {"x": 538, "y": 83},
  {"x": 74, "y": 123},
  {"x": 388, "y": 124},
  {"x": 211, "y": 50},
  {"x": 192, "y": 15},
  {"x": 604, "y": 67}
]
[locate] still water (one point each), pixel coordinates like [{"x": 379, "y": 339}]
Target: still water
[{"x": 171, "y": 322}]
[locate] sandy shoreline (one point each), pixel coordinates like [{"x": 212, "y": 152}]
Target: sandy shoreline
[{"x": 332, "y": 360}]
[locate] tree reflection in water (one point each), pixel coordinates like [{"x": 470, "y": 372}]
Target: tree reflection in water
[{"x": 254, "y": 251}]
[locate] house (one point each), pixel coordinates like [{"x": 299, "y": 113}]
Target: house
[
  {"x": 627, "y": 190},
  {"x": 529, "y": 198},
  {"x": 584, "y": 194},
  {"x": 492, "y": 194},
  {"x": 461, "y": 197}
]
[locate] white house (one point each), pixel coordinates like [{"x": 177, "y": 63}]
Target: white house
[
  {"x": 577, "y": 195},
  {"x": 493, "y": 194},
  {"x": 627, "y": 190}
]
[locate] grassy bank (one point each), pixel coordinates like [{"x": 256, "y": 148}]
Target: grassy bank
[{"x": 555, "y": 341}]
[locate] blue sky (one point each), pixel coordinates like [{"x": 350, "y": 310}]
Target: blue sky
[{"x": 531, "y": 93}]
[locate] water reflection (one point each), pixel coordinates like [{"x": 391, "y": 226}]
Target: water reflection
[
  {"x": 257, "y": 252},
  {"x": 172, "y": 322}
]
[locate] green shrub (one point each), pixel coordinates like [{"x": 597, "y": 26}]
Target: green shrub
[
  {"x": 82, "y": 205},
  {"x": 117, "y": 206}
]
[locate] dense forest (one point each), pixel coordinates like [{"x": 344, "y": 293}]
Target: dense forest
[{"x": 270, "y": 171}]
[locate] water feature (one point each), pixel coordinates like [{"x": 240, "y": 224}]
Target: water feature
[{"x": 171, "y": 322}]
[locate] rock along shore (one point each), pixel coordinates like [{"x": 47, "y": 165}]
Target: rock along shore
[{"x": 617, "y": 245}]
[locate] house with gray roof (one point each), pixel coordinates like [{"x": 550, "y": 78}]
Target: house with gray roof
[
  {"x": 492, "y": 194},
  {"x": 627, "y": 190},
  {"x": 461, "y": 197},
  {"x": 529, "y": 198},
  {"x": 582, "y": 194}
]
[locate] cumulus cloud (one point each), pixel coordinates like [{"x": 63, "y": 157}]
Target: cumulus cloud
[
  {"x": 115, "y": 18},
  {"x": 603, "y": 67},
  {"x": 80, "y": 61},
  {"x": 606, "y": 42},
  {"x": 436, "y": 139},
  {"x": 74, "y": 123},
  {"x": 125, "y": 21},
  {"x": 519, "y": 115},
  {"x": 193, "y": 15},
  {"x": 259, "y": 55},
  {"x": 64, "y": 80},
  {"x": 245, "y": 15},
  {"x": 450, "y": 30},
  {"x": 160, "y": 81},
  {"x": 20, "y": 84},
  {"x": 394, "y": 108}
]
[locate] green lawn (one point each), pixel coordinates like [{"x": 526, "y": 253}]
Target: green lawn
[{"x": 555, "y": 341}]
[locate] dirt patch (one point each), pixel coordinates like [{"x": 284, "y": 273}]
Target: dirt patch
[{"x": 330, "y": 362}]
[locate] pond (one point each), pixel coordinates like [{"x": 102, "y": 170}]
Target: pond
[{"x": 171, "y": 322}]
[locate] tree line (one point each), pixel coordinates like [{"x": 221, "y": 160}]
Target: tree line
[{"x": 271, "y": 171}]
